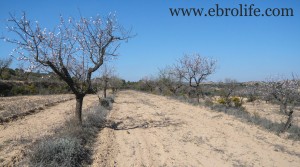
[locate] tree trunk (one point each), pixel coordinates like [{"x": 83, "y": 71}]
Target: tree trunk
[
  {"x": 104, "y": 89},
  {"x": 288, "y": 122},
  {"x": 78, "y": 111},
  {"x": 160, "y": 90},
  {"x": 198, "y": 98},
  {"x": 189, "y": 94},
  {"x": 104, "y": 92},
  {"x": 1, "y": 73},
  {"x": 173, "y": 91},
  {"x": 198, "y": 89},
  {"x": 283, "y": 108},
  {"x": 201, "y": 92}
]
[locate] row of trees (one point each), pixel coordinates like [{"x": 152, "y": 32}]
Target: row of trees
[
  {"x": 286, "y": 92},
  {"x": 75, "y": 49},
  {"x": 108, "y": 80},
  {"x": 187, "y": 75}
]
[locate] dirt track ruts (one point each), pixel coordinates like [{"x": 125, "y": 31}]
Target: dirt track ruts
[{"x": 151, "y": 130}]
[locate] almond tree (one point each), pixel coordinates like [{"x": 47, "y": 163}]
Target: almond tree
[
  {"x": 116, "y": 83},
  {"x": 4, "y": 63},
  {"x": 74, "y": 49},
  {"x": 171, "y": 79},
  {"x": 286, "y": 92},
  {"x": 106, "y": 74},
  {"x": 251, "y": 92},
  {"x": 148, "y": 83},
  {"x": 228, "y": 89},
  {"x": 195, "y": 69}
]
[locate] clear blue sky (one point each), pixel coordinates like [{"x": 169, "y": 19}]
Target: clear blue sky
[{"x": 247, "y": 48}]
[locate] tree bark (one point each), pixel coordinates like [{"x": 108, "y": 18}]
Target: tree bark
[
  {"x": 78, "y": 110},
  {"x": 104, "y": 92},
  {"x": 283, "y": 108},
  {"x": 198, "y": 98},
  {"x": 105, "y": 88},
  {"x": 288, "y": 122},
  {"x": 198, "y": 94},
  {"x": 173, "y": 91}
]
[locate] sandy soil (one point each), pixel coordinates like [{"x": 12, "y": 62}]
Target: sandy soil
[
  {"x": 18, "y": 105},
  {"x": 17, "y": 135},
  {"x": 150, "y": 130}
]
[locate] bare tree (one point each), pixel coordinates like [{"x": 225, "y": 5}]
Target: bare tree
[
  {"x": 74, "y": 49},
  {"x": 116, "y": 83},
  {"x": 106, "y": 74},
  {"x": 228, "y": 88},
  {"x": 286, "y": 92},
  {"x": 171, "y": 79},
  {"x": 149, "y": 83},
  {"x": 4, "y": 63},
  {"x": 195, "y": 69},
  {"x": 252, "y": 92}
]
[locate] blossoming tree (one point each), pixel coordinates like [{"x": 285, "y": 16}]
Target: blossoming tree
[
  {"x": 195, "y": 69},
  {"x": 286, "y": 92},
  {"x": 74, "y": 49}
]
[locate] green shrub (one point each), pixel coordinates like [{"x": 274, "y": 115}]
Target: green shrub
[
  {"x": 221, "y": 101},
  {"x": 233, "y": 101},
  {"x": 5, "y": 88},
  {"x": 18, "y": 90},
  {"x": 31, "y": 89},
  {"x": 237, "y": 101}
]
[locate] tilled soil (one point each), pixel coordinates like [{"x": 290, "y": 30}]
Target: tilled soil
[
  {"x": 151, "y": 130},
  {"x": 15, "y": 136}
]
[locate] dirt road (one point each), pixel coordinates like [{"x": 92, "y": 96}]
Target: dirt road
[
  {"x": 150, "y": 130},
  {"x": 16, "y": 135}
]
